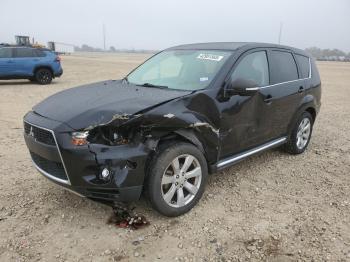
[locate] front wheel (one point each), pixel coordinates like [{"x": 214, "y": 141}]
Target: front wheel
[
  {"x": 43, "y": 76},
  {"x": 176, "y": 179},
  {"x": 301, "y": 134}
]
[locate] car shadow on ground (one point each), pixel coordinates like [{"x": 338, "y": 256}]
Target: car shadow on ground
[
  {"x": 68, "y": 201},
  {"x": 13, "y": 82},
  {"x": 21, "y": 82}
]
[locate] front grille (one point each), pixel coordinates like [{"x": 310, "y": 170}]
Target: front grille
[
  {"x": 52, "y": 168},
  {"x": 39, "y": 134}
]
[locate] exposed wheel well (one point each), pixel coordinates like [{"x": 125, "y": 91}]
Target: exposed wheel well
[
  {"x": 168, "y": 140},
  {"x": 312, "y": 111},
  {"x": 173, "y": 138}
]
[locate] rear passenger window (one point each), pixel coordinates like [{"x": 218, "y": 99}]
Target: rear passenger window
[
  {"x": 24, "y": 52},
  {"x": 253, "y": 67},
  {"x": 283, "y": 67},
  {"x": 304, "y": 65}
]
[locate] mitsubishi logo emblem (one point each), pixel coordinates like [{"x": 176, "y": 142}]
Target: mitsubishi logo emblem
[{"x": 31, "y": 133}]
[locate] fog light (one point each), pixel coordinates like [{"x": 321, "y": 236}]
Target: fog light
[{"x": 105, "y": 174}]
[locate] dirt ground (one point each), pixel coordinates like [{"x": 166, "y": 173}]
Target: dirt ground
[{"x": 272, "y": 206}]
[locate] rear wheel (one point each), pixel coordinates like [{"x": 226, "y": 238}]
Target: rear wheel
[
  {"x": 301, "y": 135},
  {"x": 43, "y": 76},
  {"x": 177, "y": 179}
]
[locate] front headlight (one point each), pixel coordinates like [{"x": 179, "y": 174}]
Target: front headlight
[{"x": 80, "y": 138}]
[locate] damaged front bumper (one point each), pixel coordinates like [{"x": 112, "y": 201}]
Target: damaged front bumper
[{"x": 78, "y": 168}]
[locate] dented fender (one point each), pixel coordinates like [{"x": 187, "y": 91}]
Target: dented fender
[{"x": 195, "y": 117}]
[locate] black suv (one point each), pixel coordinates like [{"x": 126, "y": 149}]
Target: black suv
[{"x": 188, "y": 111}]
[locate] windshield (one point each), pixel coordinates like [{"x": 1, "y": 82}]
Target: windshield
[{"x": 180, "y": 69}]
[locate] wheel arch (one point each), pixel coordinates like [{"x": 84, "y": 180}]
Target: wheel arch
[
  {"x": 36, "y": 68},
  {"x": 312, "y": 111},
  {"x": 307, "y": 105},
  {"x": 180, "y": 135}
]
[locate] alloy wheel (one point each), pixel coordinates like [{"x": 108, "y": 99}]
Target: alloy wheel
[
  {"x": 181, "y": 180},
  {"x": 44, "y": 76},
  {"x": 303, "y": 133}
]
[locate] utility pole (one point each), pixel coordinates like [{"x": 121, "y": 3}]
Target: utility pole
[
  {"x": 104, "y": 36},
  {"x": 280, "y": 34}
]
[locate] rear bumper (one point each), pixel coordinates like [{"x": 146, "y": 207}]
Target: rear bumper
[
  {"x": 78, "y": 168},
  {"x": 58, "y": 73}
]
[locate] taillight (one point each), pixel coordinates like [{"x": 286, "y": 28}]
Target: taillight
[{"x": 58, "y": 59}]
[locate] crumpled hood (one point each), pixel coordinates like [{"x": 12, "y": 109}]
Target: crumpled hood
[{"x": 99, "y": 103}]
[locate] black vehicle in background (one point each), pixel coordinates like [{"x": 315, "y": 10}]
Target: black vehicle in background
[{"x": 188, "y": 111}]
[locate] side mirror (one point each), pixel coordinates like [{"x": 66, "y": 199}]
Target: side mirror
[{"x": 242, "y": 87}]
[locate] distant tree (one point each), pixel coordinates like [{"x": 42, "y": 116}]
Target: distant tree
[
  {"x": 87, "y": 48},
  {"x": 327, "y": 54},
  {"x": 112, "y": 49}
]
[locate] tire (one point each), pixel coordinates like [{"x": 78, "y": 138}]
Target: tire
[
  {"x": 294, "y": 146},
  {"x": 171, "y": 191},
  {"x": 43, "y": 76}
]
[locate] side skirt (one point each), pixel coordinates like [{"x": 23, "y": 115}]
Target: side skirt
[{"x": 238, "y": 157}]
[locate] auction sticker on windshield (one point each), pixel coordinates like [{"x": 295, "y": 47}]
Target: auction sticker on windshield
[{"x": 210, "y": 57}]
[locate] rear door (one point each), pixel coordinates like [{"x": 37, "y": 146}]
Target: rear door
[
  {"x": 25, "y": 60},
  {"x": 285, "y": 91},
  {"x": 6, "y": 62}
]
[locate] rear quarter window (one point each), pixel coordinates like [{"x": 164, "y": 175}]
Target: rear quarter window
[
  {"x": 39, "y": 53},
  {"x": 283, "y": 67},
  {"x": 304, "y": 65}
]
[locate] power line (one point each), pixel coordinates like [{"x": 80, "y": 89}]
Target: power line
[{"x": 104, "y": 36}]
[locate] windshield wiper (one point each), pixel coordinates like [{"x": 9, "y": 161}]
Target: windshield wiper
[{"x": 151, "y": 85}]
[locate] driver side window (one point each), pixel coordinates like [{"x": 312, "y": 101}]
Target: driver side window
[{"x": 253, "y": 67}]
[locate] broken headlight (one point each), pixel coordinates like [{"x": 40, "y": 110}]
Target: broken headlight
[
  {"x": 80, "y": 138},
  {"x": 107, "y": 136}
]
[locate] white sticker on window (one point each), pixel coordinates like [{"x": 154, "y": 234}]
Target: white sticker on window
[
  {"x": 202, "y": 79},
  {"x": 210, "y": 57}
]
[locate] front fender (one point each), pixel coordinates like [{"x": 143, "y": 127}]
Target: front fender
[{"x": 194, "y": 117}]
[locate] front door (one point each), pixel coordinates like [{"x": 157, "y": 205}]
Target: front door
[{"x": 245, "y": 119}]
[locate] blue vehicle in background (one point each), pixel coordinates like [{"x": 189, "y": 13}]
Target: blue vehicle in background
[{"x": 36, "y": 64}]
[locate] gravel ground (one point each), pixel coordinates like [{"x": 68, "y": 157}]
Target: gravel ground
[{"x": 272, "y": 206}]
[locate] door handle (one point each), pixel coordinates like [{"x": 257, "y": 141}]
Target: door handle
[
  {"x": 10, "y": 61},
  {"x": 268, "y": 99},
  {"x": 301, "y": 89}
]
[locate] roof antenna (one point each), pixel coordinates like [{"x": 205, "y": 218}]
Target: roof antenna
[{"x": 280, "y": 34}]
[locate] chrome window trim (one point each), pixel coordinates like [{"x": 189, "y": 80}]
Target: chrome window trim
[
  {"x": 291, "y": 81},
  {"x": 67, "y": 182},
  {"x": 251, "y": 152},
  {"x": 310, "y": 68}
]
